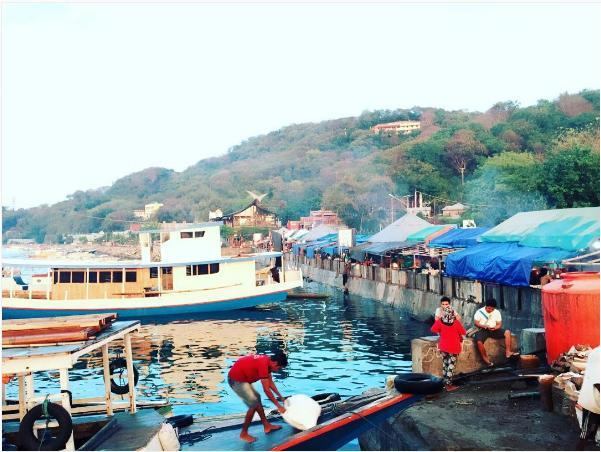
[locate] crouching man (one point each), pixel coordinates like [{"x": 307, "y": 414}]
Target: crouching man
[{"x": 248, "y": 370}]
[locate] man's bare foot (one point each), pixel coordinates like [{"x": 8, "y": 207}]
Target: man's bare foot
[
  {"x": 246, "y": 437},
  {"x": 271, "y": 428}
]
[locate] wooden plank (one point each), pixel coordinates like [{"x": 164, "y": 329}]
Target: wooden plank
[
  {"x": 130, "y": 373},
  {"x": 102, "y": 435},
  {"x": 107, "y": 380},
  {"x": 64, "y": 329},
  {"x": 136, "y": 431},
  {"x": 26, "y": 339},
  {"x": 57, "y": 322}
]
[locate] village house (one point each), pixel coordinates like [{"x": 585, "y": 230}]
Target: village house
[
  {"x": 253, "y": 215},
  {"x": 315, "y": 218},
  {"x": 148, "y": 211},
  {"x": 454, "y": 211},
  {"x": 398, "y": 127}
]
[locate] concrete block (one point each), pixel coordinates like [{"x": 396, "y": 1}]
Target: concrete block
[
  {"x": 427, "y": 358},
  {"x": 532, "y": 340}
]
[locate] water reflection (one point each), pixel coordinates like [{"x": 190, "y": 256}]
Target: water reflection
[{"x": 340, "y": 344}]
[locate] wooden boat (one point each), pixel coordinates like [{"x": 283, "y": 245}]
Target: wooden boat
[
  {"x": 58, "y": 420},
  {"x": 340, "y": 421},
  {"x": 191, "y": 277}
]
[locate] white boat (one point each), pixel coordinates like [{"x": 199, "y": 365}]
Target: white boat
[{"x": 191, "y": 277}]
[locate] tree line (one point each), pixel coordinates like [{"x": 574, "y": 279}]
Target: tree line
[{"x": 499, "y": 162}]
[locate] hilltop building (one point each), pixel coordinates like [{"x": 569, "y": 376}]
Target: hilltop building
[
  {"x": 398, "y": 127},
  {"x": 148, "y": 211}
]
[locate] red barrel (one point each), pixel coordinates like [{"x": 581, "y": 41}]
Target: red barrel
[{"x": 571, "y": 312}]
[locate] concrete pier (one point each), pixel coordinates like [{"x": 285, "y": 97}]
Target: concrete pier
[
  {"x": 419, "y": 294},
  {"x": 427, "y": 358}
]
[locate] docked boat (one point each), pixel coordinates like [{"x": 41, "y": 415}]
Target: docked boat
[
  {"x": 340, "y": 421},
  {"x": 189, "y": 277},
  {"x": 56, "y": 419}
]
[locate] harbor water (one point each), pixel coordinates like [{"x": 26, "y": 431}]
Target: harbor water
[{"x": 344, "y": 344}]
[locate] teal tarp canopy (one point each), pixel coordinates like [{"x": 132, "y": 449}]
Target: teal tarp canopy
[
  {"x": 423, "y": 234},
  {"x": 566, "y": 229}
]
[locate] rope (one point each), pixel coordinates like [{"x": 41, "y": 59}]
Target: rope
[
  {"x": 193, "y": 437},
  {"x": 47, "y": 416}
]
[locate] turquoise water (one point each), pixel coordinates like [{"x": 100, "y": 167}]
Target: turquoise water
[{"x": 339, "y": 344}]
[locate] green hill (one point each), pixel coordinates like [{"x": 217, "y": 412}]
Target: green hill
[{"x": 512, "y": 159}]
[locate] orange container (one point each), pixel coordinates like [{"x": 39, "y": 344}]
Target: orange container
[{"x": 571, "y": 312}]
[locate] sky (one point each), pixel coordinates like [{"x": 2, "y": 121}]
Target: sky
[{"x": 93, "y": 91}]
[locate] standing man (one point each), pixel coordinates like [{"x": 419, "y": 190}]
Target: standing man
[
  {"x": 489, "y": 320},
  {"x": 345, "y": 275},
  {"x": 247, "y": 370}
]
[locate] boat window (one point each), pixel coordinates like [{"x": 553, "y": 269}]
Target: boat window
[
  {"x": 195, "y": 270},
  {"x": 93, "y": 277},
  {"x": 214, "y": 268},
  {"x": 118, "y": 276},
  {"x": 154, "y": 272},
  {"x": 78, "y": 277},
  {"x": 186, "y": 235},
  {"x": 199, "y": 234},
  {"x": 167, "y": 270},
  {"x": 105, "y": 277},
  {"x": 130, "y": 276},
  {"x": 64, "y": 276},
  {"x": 55, "y": 272}
]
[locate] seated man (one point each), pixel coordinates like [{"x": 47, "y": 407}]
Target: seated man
[{"x": 488, "y": 319}]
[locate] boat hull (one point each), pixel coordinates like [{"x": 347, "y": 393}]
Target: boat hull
[
  {"x": 23, "y": 308},
  {"x": 332, "y": 432}
]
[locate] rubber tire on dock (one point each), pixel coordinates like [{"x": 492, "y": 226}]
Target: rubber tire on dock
[
  {"x": 120, "y": 363},
  {"x": 418, "y": 383},
  {"x": 181, "y": 420},
  {"x": 28, "y": 440}
]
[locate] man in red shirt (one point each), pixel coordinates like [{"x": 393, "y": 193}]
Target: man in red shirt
[{"x": 247, "y": 370}]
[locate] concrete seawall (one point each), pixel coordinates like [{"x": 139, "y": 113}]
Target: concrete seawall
[{"x": 419, "y": 294}]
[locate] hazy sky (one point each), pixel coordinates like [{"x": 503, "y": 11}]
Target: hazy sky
[{"x": 92, "y": 92}]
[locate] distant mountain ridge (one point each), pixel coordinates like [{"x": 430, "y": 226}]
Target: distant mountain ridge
[{"x": 342, "y": 165}]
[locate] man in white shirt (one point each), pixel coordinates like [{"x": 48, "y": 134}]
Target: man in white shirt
[{"x": 489, "y": 320}]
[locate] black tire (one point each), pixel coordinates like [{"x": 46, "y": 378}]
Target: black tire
[
  {"x": 121, "y": 363},
  {"x": 327, "y": 397},
  {"x": 182, "y": 420},
  {"x": 52, "y": 440},
  {"x": 418, "y": 383}
]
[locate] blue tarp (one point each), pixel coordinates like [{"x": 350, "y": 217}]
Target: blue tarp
[
  {"x": 502, "y": 263},
  {"x": 458, "y": 238},
  {"x": 333, "y": 248}
]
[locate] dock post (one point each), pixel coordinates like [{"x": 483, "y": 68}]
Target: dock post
[
  {"x": 66, "y": 402},
  {"x": 130, "y": 373},
  {"x": 22, "y": 408},
  {"x": 107, "y": 380}
]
